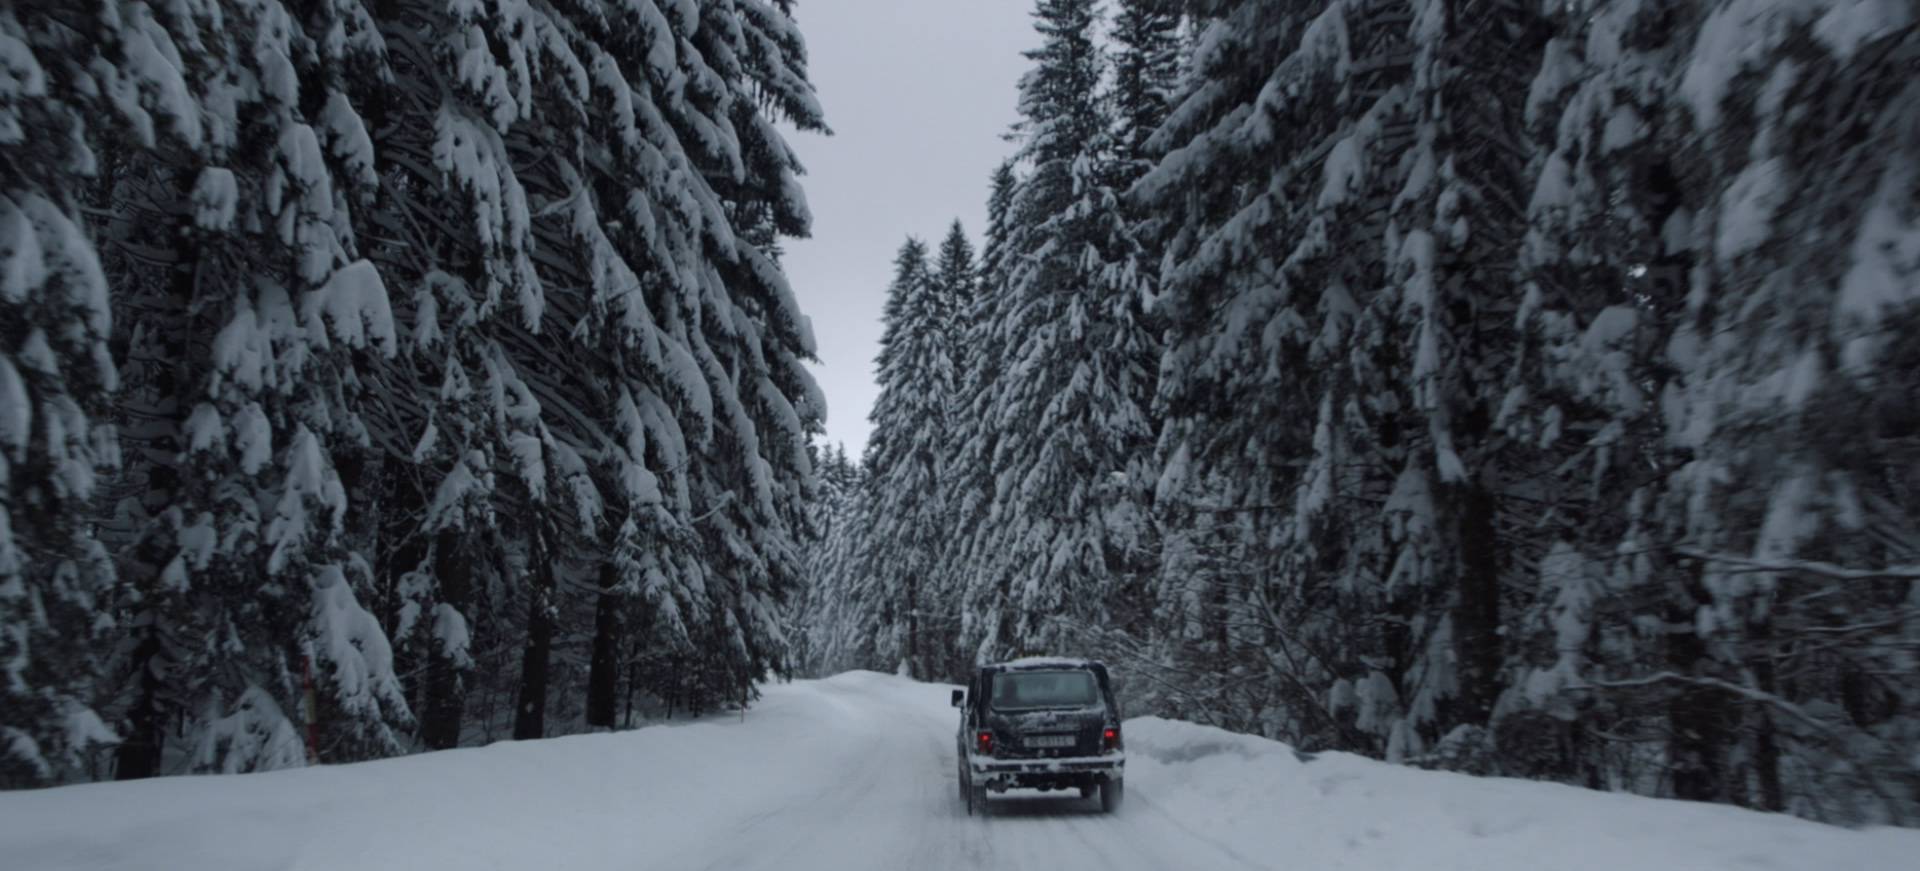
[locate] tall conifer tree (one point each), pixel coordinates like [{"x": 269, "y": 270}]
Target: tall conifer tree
[{"x": 905, "y": 494}]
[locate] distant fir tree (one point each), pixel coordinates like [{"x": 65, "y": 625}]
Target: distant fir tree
[
  {"x": 841, "y": 600},
  {"x": 970, "y": 473},
  {"x": 956, "y": 279},
  {"x": 817, "y": 615},
  {"x": 956, "y": 282},
  {"x": 906, "y": 506},
  {"x": 993, "y": 253}
]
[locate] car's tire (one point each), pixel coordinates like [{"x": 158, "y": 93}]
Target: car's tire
[
  {"x": 978, "y": 803},
  {"x": 1112, "y": 790},
  {"x": 966, "y": 788}
]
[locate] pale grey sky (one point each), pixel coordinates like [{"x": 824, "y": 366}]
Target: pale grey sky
[{"x": 918, "y": 93}]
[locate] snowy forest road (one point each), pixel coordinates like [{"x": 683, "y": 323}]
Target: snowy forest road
[
  {"x": 849, "y": 773},
  {"x": 856, "y": 772},
  {"x": 875, "y": 790}
]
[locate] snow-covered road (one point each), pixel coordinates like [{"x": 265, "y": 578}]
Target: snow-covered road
[
  {"x": 876, "y": 790},
  {"x": 856, "y": 772}
]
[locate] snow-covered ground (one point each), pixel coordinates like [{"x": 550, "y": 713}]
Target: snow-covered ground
[{"x": 856, "y": 772}]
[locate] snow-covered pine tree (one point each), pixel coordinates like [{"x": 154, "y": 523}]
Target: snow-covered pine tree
[
  {"x": 1066, "y": 528},
  {"x": 815, "y": 616},
  {"x": 1146, "y": 71},
  {"x": 1835, "y": 441},
  {"x": 456, "y": 248},
  {"x": 957, "y": 282},
  {"x": 232, "y": 254},
  {"x": 252, "y": 227},
  {"x": 841, "y": 599},
  {"x": 752, "y": 479},
  {"x": 1357, "y": 582},
  {"x": 1322, "y": 372},
  {"x": 662, "y": 441},
  {"x": 1638, "y": 627},
  {"x": 1198, "y": 187},
  {"x": 56, "y": 377},
  {"x": 905, "y": 502},
  {"x": 993, "y": 251},
  {"x": 956, "y": 279},
  {"x": 1444, "y": 324},
  {"x": 1147, "y": 61},
  {"x": 1804, "y": 390},
  {"x": 1279, "y": 166},
  {"x": 1740, "y": 332},
  {"x": 1602, "y": 262},
  {"x": 969, "y": 474},
  {"x": 669, "y": 432}
]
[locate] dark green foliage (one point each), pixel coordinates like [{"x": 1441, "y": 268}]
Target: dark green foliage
[{"x": 456, "y": 378}]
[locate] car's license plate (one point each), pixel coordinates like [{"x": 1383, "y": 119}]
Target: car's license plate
[{"x": 1050, "y": 741}]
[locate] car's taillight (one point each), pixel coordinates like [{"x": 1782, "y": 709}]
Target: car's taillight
[
  {"x": 984, "y": 743},
  {"x": 1111, "y": 738}
]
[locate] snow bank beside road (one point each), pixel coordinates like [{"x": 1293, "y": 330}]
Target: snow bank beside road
[
  {"x": 1336, "y": 811},
  {"x": 857, "y": 772}
]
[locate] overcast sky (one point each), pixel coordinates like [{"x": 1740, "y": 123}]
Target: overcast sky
[{"x": 918, "y": 93}]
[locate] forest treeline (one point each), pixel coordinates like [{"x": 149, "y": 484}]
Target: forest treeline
[
  {"x": 1505, "y": 387},
  {"x": 382, "y": 375}
]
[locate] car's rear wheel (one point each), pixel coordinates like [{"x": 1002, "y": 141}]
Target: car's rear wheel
[
  {"x": 978, "y": 803},
  {"x": 1111, "y": 791},
  {"x": 966, "y": 789}
]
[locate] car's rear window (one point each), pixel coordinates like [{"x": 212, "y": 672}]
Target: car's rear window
[{"x": 1020, "y": 690}]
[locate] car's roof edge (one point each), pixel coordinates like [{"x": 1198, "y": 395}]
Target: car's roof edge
[{"x": 1033, "y": 664}]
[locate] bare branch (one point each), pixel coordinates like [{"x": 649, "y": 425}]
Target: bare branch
[
  {"x": 1811, "y": 567},
  {"x": 1747, "y": 692}
]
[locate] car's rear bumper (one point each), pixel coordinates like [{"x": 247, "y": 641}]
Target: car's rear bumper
[{"x": 986, "y": 768}]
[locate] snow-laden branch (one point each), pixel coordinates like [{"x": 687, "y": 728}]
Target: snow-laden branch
[
  {"x": 1812, "y": 567},
  {"x": 1747, "y": 692}
]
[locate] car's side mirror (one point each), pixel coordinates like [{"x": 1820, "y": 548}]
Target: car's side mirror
[{"x": 959, "y": 697}]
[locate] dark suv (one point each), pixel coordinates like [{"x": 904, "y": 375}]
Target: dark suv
[{"x": 1040, "y": 724}]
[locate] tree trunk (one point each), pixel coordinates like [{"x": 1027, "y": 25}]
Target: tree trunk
[
  {"x": 913, "y": 626},
  {"x": 410, "y": 661},
  {"x": 1766, "y": 751},
  {"x": 603, "y": 674},
  {"x": 446, "y": 690},
  {"x": 633, "y": 685},
  {"x": 1694, "y": 714},
  {"x": 146, "y": 725},
  {"x": 139, "y": 755},
  {"x": 1476, "y": 616},
  {"x": 530, "y": 714}
]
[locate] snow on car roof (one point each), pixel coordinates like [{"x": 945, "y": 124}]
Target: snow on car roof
[{"x": 1047, "y": 662}]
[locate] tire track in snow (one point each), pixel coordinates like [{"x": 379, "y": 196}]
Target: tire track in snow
[
  {"x": 1055, "y": 831},
  {"x": 878, "y": 792},
  {"x": 759, "y": 843}
]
